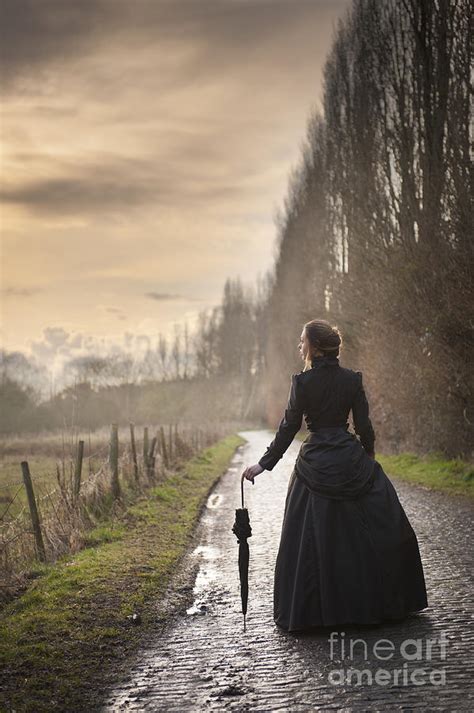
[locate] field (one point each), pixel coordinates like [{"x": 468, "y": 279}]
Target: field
[
  {"x": 72, "y": 496},
  {"x": 45, "y": 453}
]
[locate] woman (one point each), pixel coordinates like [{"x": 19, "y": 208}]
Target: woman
[{"x": 348, "y": 554}]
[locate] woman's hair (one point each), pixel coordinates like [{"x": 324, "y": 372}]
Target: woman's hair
[{"x": 323, "y": 336}]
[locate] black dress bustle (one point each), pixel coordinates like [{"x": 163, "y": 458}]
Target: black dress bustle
[{"x": 347, "y": 554}]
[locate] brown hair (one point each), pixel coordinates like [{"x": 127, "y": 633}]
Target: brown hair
[{"x": 323, "y": 336}]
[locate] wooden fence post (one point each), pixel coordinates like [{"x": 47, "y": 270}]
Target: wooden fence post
[
  {"x": 177, "y": 442},
  {"x": 151, "y": 461},
  {"x": 170, "y": 443},
  {"x": 113, "y": 460},
  {"x": 164, "y": 450},
  {"x": 134, "y": 452},
  {"x": 90, "y": 451},
  {"x": 145, "y": 448},
  {"x": 35, "y": 521},
  {"x": 78, "y": 469}
]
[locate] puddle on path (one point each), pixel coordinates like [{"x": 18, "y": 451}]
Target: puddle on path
[
  {"x": 214, "y": 501},
  {"x": 206, "y": 578}
]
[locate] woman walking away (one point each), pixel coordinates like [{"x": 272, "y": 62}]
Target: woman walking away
[{"x": 348, "y": 553}]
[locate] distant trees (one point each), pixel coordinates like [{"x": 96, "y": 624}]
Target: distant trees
[
  {"x": 226, "y": 341},
  {"x": 213, "y": 372},
  {"x": 17, "y": 404},
  {"x": 23, "y": 382},
  {"x": 89, "y": 368},
  {"x": 16, "y": 366}
]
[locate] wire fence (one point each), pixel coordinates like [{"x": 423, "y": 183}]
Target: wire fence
[{"x": 55, "y": 520}]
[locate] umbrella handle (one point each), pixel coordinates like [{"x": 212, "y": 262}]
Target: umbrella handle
[{"x": 242, "y": 490}]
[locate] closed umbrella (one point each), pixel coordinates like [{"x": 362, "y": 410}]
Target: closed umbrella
[{"x": 242, "y": 531}]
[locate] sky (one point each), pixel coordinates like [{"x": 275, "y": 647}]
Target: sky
[{"x": 146, "y": 146}]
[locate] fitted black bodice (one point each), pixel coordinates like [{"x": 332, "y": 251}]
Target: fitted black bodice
[{"x": 324, "y": 395}]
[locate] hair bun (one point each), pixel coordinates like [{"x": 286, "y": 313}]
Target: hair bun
[{"x": 324, "y": 336}]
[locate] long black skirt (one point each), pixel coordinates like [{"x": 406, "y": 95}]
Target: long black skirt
[{"x": 347, "y": 554}]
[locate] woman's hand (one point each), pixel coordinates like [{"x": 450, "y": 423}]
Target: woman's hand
[{"x": 252, "y": 471}]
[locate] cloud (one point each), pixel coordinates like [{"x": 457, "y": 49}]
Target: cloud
[
  {"x": 37, "y": 34},
  {"x": 113, "y": 183},
  {"x": 57, "y": 346},
  {"x": 119, "y": 313},
  {"x": 123, "y": 184},
  {"x": 76, "y": 341},
  {"x": 20, "y": 291},
  {"x": 34, "y": 33},
  {"x": 55, "y": 336},
  {"x": 159, "y": 296}
]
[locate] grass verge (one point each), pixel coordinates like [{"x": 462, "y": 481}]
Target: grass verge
[
  {"x": 62, "y": 642},
  {"x": 455, "y": 477}
]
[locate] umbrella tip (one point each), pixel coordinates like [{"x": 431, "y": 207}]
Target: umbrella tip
[{"x": 245, "y": 628}]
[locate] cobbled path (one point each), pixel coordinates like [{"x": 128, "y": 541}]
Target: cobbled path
[{"x": 205, "y": 661}]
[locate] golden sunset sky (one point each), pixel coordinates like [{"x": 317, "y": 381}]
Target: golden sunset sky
[{"x": 146, "y": 145}]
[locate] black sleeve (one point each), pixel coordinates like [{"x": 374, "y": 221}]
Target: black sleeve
[
  {"x": 362, "y": 423},
  {"x": 288, "y": 428}
]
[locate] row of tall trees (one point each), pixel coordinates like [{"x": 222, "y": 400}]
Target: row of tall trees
[{"x": 378, "y": 218}]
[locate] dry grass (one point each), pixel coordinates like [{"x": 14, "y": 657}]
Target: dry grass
[{"x": 65, "y": 518}]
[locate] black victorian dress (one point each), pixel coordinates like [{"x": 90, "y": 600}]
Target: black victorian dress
[{"x": 347, "y": 554}]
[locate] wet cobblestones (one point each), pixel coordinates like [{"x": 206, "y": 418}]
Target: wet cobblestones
[{"x": 205, "y": 661}]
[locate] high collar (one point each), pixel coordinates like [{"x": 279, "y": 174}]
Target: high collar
[{"x": 324, "y": 360}]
